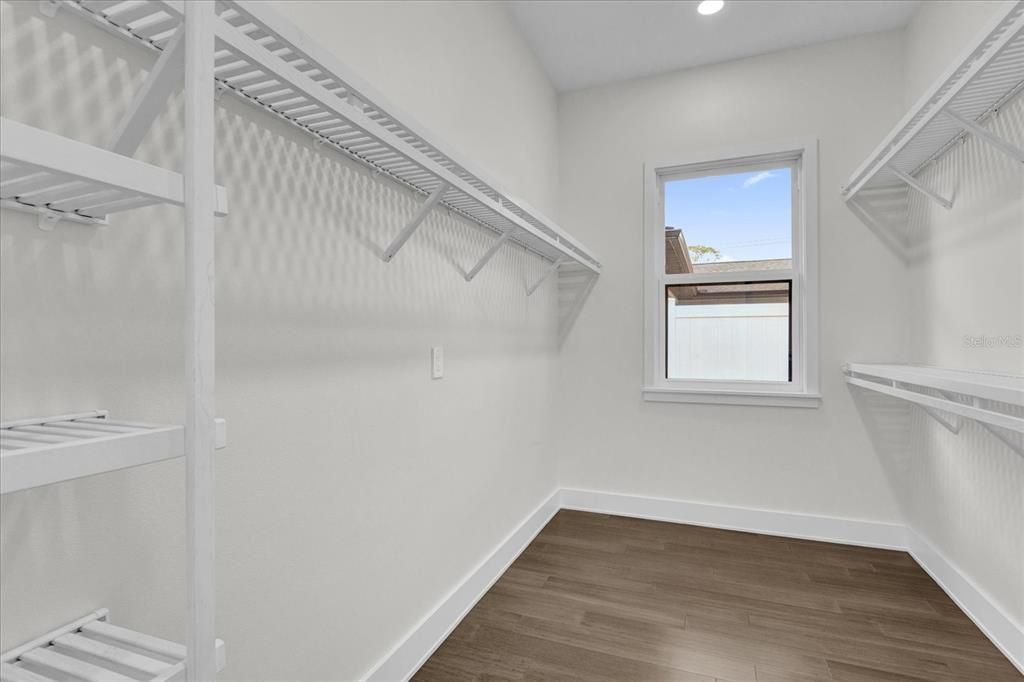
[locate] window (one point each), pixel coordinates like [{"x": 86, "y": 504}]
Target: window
[{"x": 731, "y": 299}]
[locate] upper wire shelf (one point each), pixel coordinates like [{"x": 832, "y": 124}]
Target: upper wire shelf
[
  {"x": 962, "y": 100},
  {"x": 263, "y": 58}
]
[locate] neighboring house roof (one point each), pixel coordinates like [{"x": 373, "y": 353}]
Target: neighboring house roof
[
  {"x": 741, "y": 265},
  {"x": 678, "y": 261},
  {"x": 677, "y": 255}
]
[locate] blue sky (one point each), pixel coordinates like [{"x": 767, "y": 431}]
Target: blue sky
[{"x": 746, "y": 216}]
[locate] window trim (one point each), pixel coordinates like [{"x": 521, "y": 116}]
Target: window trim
[{"x": 804, "y": 390}]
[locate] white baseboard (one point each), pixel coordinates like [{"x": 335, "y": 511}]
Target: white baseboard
[
  {"x": 806, "y": 526},
  {"x": 406, "y": 658},
  {"x": 1007, "y": 635}
]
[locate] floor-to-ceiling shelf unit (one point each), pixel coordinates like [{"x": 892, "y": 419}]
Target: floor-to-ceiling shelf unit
[
  {"x": 961, "y": 102},
  {"x": 61, "y": 179},
  {"x": 254, "y": 53}
]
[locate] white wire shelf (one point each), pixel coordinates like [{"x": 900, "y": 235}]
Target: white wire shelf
[
  {"x": 1004, "y": 388},
  {"x": 40, "y": 451},
  {"x": 992, "y": 400},
  {"x": 967, "y": 95},
  {"x": 266, "y": 60},
  {"x": 44, "y": 172},
  {"x": 90, "y": 648}
]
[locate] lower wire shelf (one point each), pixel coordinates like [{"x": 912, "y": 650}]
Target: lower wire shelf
[
  {"x": 993, "y": 401},
  {"x": 40, "y": 451},
  {"x": 92, "y": 649},
  {"x": 985, "y": 397}
]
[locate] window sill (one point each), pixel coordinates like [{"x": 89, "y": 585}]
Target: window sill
[{"x": 678, "y": 395}]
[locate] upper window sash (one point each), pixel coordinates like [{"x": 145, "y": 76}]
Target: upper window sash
[{"x": 790, "y": 159}]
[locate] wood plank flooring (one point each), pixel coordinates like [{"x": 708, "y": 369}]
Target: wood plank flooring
[{"x": 598, "y": 597}]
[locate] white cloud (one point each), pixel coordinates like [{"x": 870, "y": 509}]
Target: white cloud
[{"x": 753, "y": 180}]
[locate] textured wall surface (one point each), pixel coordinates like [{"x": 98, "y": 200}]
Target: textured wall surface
[
  {"x": 962, "y": 492},
  {"x": 940, "y": 33},
  {"x": 463, "y": 70},
  {"x": 797, "y": 460},
  {"x": 965, "y": 492},
  {"x": 346, "y": 466}
]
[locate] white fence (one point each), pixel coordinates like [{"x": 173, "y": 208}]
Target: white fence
[{"x": 729, "y": 341}]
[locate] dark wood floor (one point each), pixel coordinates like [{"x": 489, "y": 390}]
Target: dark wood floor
[{"x": 599, "y": 597}]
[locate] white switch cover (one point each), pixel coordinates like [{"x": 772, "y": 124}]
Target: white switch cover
[{"x": 436, "y": 362}]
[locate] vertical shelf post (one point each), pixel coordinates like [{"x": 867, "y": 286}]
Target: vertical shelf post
[{"x": 200, "y": 432}]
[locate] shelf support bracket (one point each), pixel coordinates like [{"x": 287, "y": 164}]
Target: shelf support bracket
[
  {"x": 489, "y": 255},
  {"x": 421, "y": 214},
  {"x": 914, "y": 184},
  {"x": 547, "y": 273},
  {"x": 995, "y": 431},
  {"x": 953, "y": 426},
  {"x": 47, "y": 220},
  {"x": 167, "y": 75},
  {"x": 986, "y": 135}
]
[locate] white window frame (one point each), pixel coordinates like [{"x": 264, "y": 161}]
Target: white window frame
[{"x": 803, "y": 390}]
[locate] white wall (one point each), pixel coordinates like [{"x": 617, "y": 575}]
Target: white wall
[
  {"x": 464, "y": 72},
  {"x": 963, "y": 492},
  {"x": 355, "y": 492},
  {"x": 939, "y": 33},
  {"x": 799, "y": 460}
]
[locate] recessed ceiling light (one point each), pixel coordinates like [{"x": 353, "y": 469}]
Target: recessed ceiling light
[{"x": 710, "y": 6}]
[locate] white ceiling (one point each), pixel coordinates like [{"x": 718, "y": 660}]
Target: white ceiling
[{"x": 582, "y": 43}]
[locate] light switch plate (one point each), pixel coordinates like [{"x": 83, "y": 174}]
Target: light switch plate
[{"x": 436, "y": 362}]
